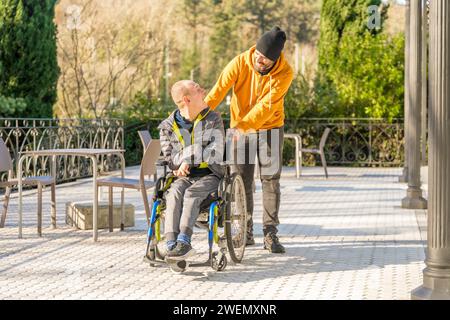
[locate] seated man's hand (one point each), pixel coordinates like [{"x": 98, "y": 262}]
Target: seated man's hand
[{"x": 182, "y": 171}]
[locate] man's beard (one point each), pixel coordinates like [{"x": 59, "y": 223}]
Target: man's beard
[{"x": 262, "y": 69}]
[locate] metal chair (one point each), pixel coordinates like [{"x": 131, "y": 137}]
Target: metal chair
[
  {"x": 145, "y": 139},
  {"x": 39, "y": 181},
  {"x": 148, "y": 168},
  {"x": 320, "y": 151}
]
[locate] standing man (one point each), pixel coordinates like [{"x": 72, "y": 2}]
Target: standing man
[{"x": 260, "y": 78}]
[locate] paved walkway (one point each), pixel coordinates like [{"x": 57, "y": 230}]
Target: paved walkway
[{"x": 346, "y": 238}]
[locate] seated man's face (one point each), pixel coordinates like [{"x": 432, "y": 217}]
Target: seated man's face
[
  {"x": 197, "y": 94},
  {"x": 196, "y": 103}
]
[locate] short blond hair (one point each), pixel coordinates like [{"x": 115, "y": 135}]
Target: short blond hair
[{"x": 179, "y": 90}]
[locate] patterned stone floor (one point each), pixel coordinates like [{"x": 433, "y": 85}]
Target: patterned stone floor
[{"x": 346, "y": 238}]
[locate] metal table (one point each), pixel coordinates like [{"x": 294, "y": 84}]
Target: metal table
[{"x": 93, "y": 154}]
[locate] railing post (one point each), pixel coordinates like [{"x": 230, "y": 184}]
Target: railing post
[
  {"x": 34, "y": 147},
  {"x": 16, "y": 135},
  {"x": 370, "y": 141}
]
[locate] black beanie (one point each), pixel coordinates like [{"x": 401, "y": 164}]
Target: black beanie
[{"x": 272, "y": 43}]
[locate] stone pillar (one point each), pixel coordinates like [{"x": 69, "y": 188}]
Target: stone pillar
[
  {"x": 414, "y": 199},
  {"x": 424, "y": 129},
  {"x": 436, "y": 275},
  {"x": 404, "y": 176}
]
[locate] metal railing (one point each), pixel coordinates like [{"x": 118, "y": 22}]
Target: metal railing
[
  {"x": 355, "y": 142},
  {"x": 23, "y": 134},
  {"x": 352, "y": 142}
]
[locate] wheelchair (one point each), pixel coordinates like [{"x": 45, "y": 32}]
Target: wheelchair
[{"x": 223, "y": 214}]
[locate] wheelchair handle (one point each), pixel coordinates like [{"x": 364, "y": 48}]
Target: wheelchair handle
[{"x": 163, "y": 163}]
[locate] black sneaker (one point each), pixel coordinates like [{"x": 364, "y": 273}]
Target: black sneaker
[
  {"x": 272, "y": 243},
  {"x": 181, "y": 252},
  {"x": 250, "y": 240}
]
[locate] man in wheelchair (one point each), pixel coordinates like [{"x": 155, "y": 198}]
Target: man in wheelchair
[{"x": 192, "y": 143}]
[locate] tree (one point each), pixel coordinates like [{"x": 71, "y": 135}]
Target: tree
[
  {"x": 370, "y": 70},
  {"x": 352, "y": 57},
  {"x": 300, "y": 20},
  {"x": 195, "y": 14},
  {"x": 108, "y": 56},
  {"x": 341, "y": 19},
  {"x": 10, "y": 106},
  {"x": 28, "y": 55},
  {"x": 225, "y": 40},
  {"x": 264, "y": 14}
]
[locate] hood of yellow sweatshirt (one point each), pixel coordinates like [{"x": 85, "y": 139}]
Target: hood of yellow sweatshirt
[{"x": 280, "y": 64}]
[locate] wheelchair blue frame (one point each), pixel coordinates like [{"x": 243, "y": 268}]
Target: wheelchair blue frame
[{"x": 216, "y": 211}]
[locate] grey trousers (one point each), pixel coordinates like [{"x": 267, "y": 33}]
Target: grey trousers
[
  {"x": 183, "y": 201},
  {"x": 268, "y": 145}
]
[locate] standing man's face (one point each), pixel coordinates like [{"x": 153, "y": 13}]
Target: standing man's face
[{"x": 262, "y": 64}]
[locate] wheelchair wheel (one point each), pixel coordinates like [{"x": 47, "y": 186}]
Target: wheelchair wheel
[
  {"x": 178, "y": 267},
  {"x": 236, "y": 218}
]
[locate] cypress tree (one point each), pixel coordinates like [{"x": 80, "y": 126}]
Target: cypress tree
[{"x": 28, "y": 55}]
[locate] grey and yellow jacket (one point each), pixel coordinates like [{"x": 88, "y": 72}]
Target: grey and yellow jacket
[{"x": 202, "y": 148}]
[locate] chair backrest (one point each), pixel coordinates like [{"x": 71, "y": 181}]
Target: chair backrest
[
  {"x": 145, "y": 138},
  {"x": 5, "y": 157},
  {"x": 324, "y": 138},
  {"x": 151, "y": 154}
]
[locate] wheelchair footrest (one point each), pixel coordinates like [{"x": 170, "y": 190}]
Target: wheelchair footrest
[
  {"x": 153, "y": 263},
  {"x": 201, "y": 264}
]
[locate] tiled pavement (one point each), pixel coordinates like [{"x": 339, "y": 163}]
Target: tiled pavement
[{"x": 346, "y": 238}]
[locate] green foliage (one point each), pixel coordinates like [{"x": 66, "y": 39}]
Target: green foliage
[
  {"x": 360, "y": 69},
  {"x": 28, "y": 55},
  {"x": 143, "y": 108},
  {"x": 371, "y": 76},
  {"x": 10, "y": 107},
  {"x": 190, "y": 62},
  {"x": 342, "y": 19},
  {"x": 326, "y": 100},
  {"x": 298, "y": 100},
  {"x": 259, "y": 10}
]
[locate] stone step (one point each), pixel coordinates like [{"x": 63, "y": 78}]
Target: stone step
[{"x": 79, "y": 214}]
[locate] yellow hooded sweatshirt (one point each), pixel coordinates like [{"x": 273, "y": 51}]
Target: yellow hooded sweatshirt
[{"x": 258, "y": 101}]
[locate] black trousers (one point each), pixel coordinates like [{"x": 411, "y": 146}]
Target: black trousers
[{"x": 268, "y": 146}]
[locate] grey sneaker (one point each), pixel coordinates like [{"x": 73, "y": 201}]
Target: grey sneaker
[
  {"x": 182, "y": 251},
  {"x": 163, "y": 249},
  {"x": 272, "y": 243}
]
